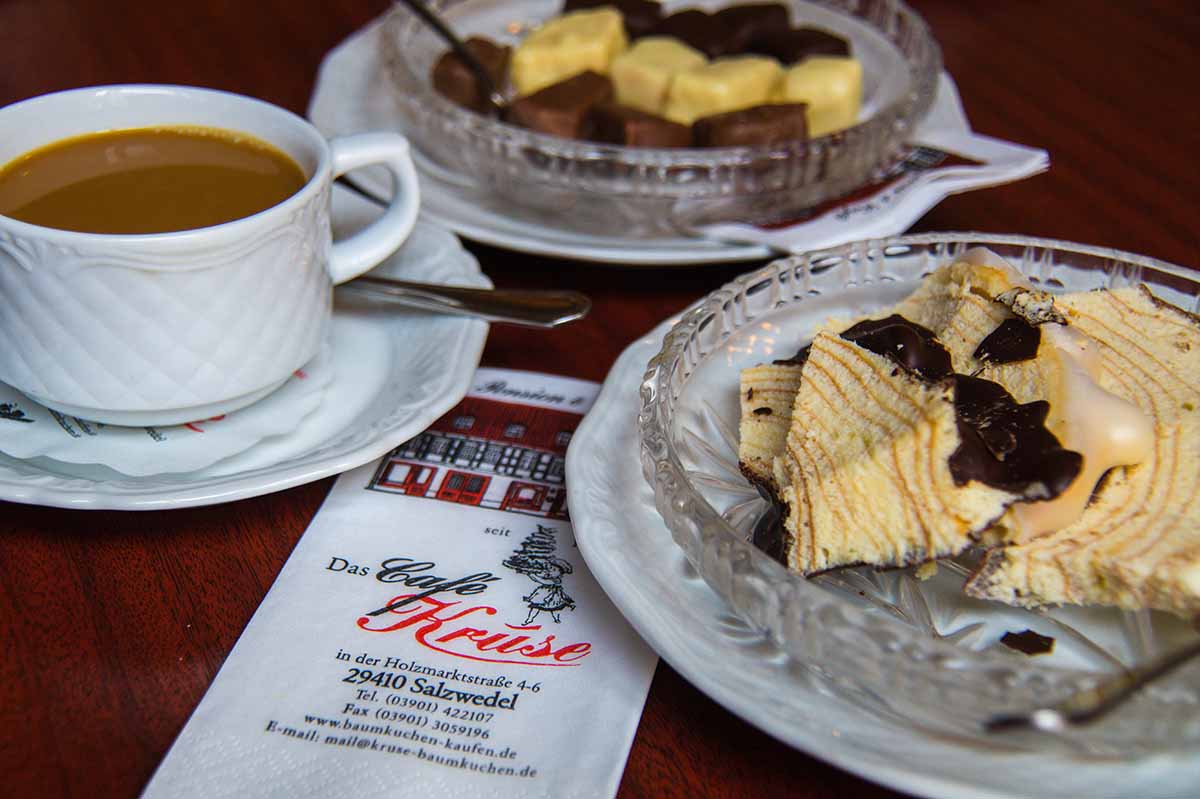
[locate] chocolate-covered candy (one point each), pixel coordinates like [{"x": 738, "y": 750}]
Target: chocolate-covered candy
[
  {"x": 563, "y": 108},
  {"x": 749, "y": 127},
  {"x": 455, "y": 81},
  {"x": 641, "y": 16},
  {"x": 792, "y": 45},
  {"x": 618, "y": 124},
  {"x": 699, "y": 29},
  {"x": 745, "y": 23}
]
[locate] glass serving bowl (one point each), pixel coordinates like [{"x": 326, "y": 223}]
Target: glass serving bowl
[
  {"x": 917, "y": 650},
  {"x": 642, "y": 191}
]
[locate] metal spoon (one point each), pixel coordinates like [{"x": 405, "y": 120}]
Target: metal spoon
[
  {"x": 1089, "y": 705},
  {"x": 494, "y": 98},
  {"x": 528, "y": 308}
]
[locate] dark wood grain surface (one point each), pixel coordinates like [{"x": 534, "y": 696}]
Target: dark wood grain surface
[{"x": 113, "y": 624}]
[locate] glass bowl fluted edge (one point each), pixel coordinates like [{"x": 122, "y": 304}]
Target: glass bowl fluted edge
[
  {"x": 643, "y": 191},
  {"x": 876, "y": 661}
]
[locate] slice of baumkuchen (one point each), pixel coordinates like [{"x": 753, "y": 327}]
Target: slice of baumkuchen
[
  {"x": 955, "y": 302},
  {"x": 882, "y": 464},
  {"x": 1137, "y": 544}
]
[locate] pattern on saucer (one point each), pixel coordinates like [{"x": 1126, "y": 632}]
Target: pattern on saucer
[{"x": 30, "y": 430}]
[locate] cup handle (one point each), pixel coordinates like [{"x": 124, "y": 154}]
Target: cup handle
[{"x": 358, "y": 253}]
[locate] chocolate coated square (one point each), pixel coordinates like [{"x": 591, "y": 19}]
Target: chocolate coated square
[
  {"x": 562, "y": 109},
  {"x": 752, "y": 127},
  {"x": 455, "y": 81},
  {"x": 618, "y": 124},
  {"x": 699, "y": 29},
  {"x": 793, "y": 45},
  {"x": 744, "y": 23},
  {"x": 641, "y": 16}
]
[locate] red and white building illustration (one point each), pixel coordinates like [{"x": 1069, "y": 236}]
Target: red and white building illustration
[{"x": 489, "y": 453}]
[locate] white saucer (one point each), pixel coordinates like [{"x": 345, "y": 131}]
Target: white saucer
[
  {"x": 352, "y": 95},
  {"x": 396, "y": 371},
  {"x": 38, "y": 431},
  {"x": 631, "y": 553}
]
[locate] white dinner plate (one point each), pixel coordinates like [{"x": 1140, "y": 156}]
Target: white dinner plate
[
  {"x": 395, "y": 372},
  {"x": 631, "y": 553},
  {"x": 352, "y": 95}
]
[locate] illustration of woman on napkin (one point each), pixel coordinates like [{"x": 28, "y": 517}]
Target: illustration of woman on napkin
[{"x": 536, "y": 560}]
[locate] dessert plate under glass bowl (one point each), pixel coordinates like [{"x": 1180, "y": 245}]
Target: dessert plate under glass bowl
[
  {"x": 917, "y": 658},
  {"x": 395, "y": 371}
]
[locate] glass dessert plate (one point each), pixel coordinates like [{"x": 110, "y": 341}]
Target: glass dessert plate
[
  {"x": 918, "y": 650},
  {"x": 647, "y": 192}
]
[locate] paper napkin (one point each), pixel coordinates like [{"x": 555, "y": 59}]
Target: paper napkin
[
  {"x": 946, "y": 157},
  {"x": 435, "y": 633}
]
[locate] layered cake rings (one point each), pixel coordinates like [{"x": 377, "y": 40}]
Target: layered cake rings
[{"x": 1057, "y": 433}]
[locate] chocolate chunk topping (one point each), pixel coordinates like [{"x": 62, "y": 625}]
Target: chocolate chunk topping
[
  {"x": 563, "y": 108},
  {"x": 749, "y": 127},
  {"x": 455, "y": 81},
  {"x": 745, "y": 23},
  {"x": 619, "y": 124},
  {"x": 641, "y": 16},
  {"x": 906, "y": 343},
  {"x": 1006, "y": 445},
  {"x": 793, "y": 45},
  {"x": 1028, "y": 642},
  {"x": 1013, "y": 340},
  {"x": 701, "y": 30},
  {"x": 910, "y": 345}
]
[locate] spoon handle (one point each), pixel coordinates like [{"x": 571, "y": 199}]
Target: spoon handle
[
  {"x": 1090, "y": 704},
  {"x": 529, "y": 308}
]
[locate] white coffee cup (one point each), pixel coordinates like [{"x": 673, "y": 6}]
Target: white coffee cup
[{"x": 172, "y": 327}]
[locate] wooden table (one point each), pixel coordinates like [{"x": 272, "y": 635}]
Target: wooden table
[{"x": 113, "y": 624}]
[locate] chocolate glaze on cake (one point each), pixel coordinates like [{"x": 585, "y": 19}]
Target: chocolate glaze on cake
[
  {"x": 768, "y": 534},
  {"x": 1013, "y": 340},
  {"x": 910, "y": 345},
  {"x": 1005, "y": 444}
]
